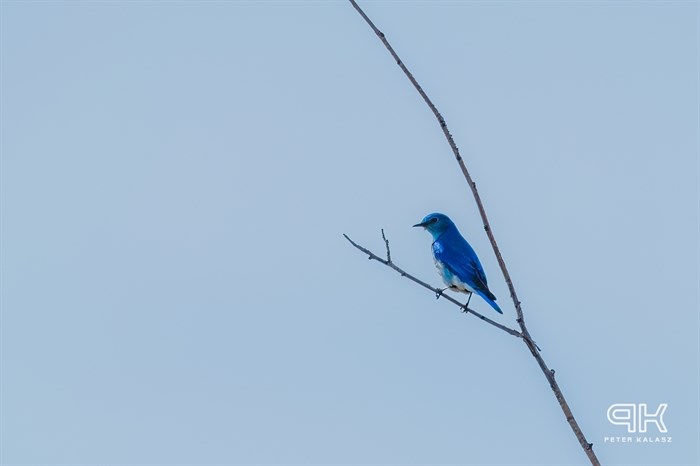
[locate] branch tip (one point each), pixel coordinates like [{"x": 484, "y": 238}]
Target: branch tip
[{"x": 386, "y": 243}]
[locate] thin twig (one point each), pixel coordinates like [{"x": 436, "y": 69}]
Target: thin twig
[
  {"x": 437, "y": 291},
  {"x": 587, "y": 447},
  {"x": 386, "y": 243}
]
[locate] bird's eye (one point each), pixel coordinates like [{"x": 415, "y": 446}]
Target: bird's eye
[{"x": 433, "y": 220}]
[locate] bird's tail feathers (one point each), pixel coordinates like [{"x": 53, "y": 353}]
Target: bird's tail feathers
[
  {"x": 491, "y": 299},
  {"x": 490, "y": 295}
]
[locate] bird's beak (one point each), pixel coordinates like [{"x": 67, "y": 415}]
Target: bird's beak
[{"x": 419, "y": 224}]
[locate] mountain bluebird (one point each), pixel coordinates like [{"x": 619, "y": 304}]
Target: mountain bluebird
[{"x": 455, "y": 259}]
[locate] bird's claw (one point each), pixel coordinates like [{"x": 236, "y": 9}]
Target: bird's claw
[
  {"x": 469, "y": 300},
  {"x": 439, "y": 292}
]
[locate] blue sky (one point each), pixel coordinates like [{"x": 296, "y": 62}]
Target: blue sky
[{"x": 177, "y": 176}]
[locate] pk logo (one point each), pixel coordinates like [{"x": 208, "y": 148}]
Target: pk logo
[{"x": 636, "y": 417}]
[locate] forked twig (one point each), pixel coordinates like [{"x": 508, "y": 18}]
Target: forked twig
[
  {"x": 524, "y": 333},
  {"x": 386, "y": 243},
  {"x": 437, "y": 291}
]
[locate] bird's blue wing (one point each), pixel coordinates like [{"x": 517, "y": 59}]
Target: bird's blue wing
[{"x": 459, "y": 257}]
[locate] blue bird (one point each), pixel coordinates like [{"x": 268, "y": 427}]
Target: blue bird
[{"x": 455, "y": 259}]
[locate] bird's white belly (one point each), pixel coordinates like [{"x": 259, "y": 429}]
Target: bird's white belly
[{"x": 451, "y": 279}]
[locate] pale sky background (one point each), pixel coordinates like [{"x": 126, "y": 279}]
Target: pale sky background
[{"x": 176, "y": 178}]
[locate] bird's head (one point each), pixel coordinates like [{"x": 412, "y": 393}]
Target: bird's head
[{"x": 435, "y": 224}]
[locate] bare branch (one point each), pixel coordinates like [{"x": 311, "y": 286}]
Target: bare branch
[
  {"x": 525, "y": 334},
  {"x": 437, "y": 291},
  {"x": 455, "y": 151}
]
